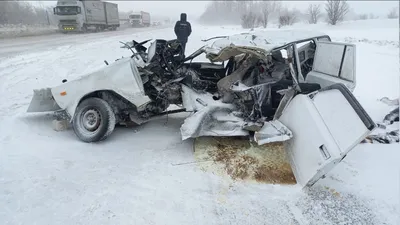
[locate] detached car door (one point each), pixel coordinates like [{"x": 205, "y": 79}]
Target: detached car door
[
  {"x": 334, "y": 62},
  {"x": 326, "y": 126}
]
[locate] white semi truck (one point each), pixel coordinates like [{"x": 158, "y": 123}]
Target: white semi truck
[
  {"x": 139, "y": 19},
  {"x": 82, "y": 15}
]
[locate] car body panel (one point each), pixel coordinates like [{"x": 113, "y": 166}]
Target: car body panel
[
  {"x": 326, "y": 126},
  {"x": 121, "y": 77}
]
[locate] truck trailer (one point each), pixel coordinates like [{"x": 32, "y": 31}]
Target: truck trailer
[
  {"x": 82, "y": 15},
  {"x": 139, "y": 19}
]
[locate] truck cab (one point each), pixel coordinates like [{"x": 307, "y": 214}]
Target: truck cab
[
  {"x": 139, "y": 19},
  {"x": 135, "y": 19},
  {"x": 78, "y": 15},
  {"x": 70, "y": 15}
]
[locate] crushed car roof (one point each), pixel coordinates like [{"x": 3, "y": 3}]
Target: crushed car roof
[{"x": 265, "y": 40}]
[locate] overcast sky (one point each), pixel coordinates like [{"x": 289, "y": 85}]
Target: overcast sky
[{"x": 195, "y": 8}]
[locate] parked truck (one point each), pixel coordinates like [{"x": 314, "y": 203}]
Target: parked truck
[
  {"x": 82, "y": 15},
  {"x": 139, "y": 19}
]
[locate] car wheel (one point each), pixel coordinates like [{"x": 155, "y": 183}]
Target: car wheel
[{"x": 94, "y": 120}]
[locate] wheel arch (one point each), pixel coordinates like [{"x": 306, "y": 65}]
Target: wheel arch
[{"x": 116, "y": 101}]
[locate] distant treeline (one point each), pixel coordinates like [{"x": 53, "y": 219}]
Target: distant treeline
[
  {"x": 254, "y": 13},
  {"x": 232, "y": 12},
  {"x": 19, "y": 12}
]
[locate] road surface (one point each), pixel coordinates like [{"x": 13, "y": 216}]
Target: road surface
[{"x": 21, "y": 45}]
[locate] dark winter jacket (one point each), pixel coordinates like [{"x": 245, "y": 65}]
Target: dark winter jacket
[{"x": 183, "y": 29}]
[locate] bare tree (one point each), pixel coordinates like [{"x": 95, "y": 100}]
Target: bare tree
[
  {"x": 363, "y": 16},
  {"x": 3, "y": 12},
  {"x": 238, "y": 12},
  {"x": 372, "y": 16},
  {"x": 313, "y": 13},
  {"x": 249, "y": 17},
  {"x": 393, "y": 13},
  {"x": 266, "y": 8},
  {"x": 336, "y": 10},
  {"x": 19, "y": 12},
  {"x": 287, "y": 17},
  {"x": 223, "y": 12}
]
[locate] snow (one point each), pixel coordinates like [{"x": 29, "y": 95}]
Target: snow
[
  {"x": 262, "y": 39},
  {"x": 145, "y": 175},
  {"x": 20, "y": 30}
]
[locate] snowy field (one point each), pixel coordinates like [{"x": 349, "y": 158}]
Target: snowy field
[
  {"x": 11, "y": 31},
  {"x": 49, "y": 177}
]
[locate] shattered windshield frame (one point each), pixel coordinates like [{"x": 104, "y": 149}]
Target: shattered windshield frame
[
  {"x": 67, "y": 10},
  {"x": 135, "y": 17}
]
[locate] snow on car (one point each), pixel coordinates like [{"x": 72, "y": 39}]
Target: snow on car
[{"x": 283, "y": 86}]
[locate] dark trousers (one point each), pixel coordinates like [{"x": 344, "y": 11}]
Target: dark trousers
[{"x": 183, "y": 43}]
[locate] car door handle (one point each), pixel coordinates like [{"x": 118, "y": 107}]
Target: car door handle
[{"x": 324, "y": 152}]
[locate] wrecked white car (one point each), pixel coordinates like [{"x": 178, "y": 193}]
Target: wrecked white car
[{"x": 289, "y": 86}]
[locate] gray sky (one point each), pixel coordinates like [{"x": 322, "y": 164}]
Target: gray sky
[{"x": 195, "y": 8}]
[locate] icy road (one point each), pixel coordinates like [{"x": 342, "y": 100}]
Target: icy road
[
  {"x": 145, "y": 175},
  {"x": 20, "y": 45}
]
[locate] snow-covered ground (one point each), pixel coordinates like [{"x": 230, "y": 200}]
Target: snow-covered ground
[
  {"x": 20, "y": 30},
  {"x": 139, "y": 176},
  {"x": 12, "y": 46}
]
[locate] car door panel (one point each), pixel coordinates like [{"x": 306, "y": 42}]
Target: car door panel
[
  {"x": 326, "y": 126},
  {"x": 334, "y": 62}
]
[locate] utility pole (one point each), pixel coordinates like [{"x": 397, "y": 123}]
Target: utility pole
[
  {"x": 47, "y": 13},
  {"x": 47, "y": 16}
]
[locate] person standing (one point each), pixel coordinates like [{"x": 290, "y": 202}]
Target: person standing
[{"x": 183, "y": 29}]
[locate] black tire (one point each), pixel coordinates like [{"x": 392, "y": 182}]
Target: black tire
[
  {"x": 84, "y": 28},
  {"x": 101, "y": 113}
]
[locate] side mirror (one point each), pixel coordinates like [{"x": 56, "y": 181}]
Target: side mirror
[{"x": 78, "y": 10}]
